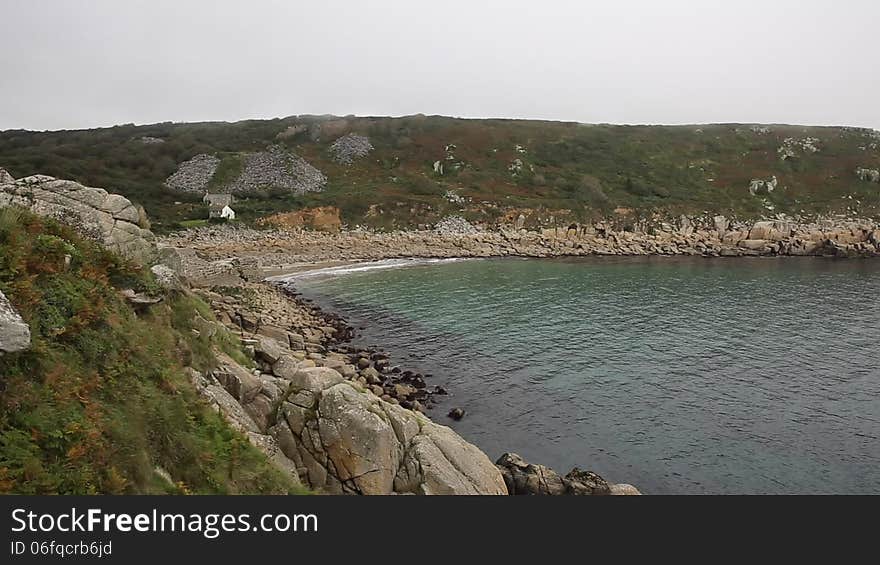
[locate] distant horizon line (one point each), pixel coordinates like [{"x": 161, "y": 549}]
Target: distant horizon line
[{"x": 470, "y": 118}]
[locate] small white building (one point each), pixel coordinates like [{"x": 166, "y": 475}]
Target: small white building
[
  {"x": 227, "y": 213},
  {"x": 219, "y": 206}
]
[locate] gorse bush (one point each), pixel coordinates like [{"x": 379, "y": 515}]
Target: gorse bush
[{"x": 101, "y": 402}]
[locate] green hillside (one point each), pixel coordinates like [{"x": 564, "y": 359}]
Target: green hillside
[
  {"x": 590, "y": 170},
  {"x": 101, "y": 402}
]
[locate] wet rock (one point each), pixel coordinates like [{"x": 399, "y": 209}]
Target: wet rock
[
  {"x": 456, "y": 414},
  {"x": 524, "y": 478},
  {"x": 578, "y": 482}
]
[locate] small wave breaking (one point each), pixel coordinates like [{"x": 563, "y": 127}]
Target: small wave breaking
[{"x": 363, "y": 267}]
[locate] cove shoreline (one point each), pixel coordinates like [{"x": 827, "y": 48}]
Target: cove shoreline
[{"x": 222, "y": 255}]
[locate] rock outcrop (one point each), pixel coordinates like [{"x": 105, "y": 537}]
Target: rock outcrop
[
  {"x": 342, "y": 420},
  {"x": 759, "y": 186},
  {"x": 524, "y": 478},
  {"x": 350, "y": 441},
  {"x": 337, "y": 437},
  {"x": 15, "y": 335},
  {"x": 109, "y": 219}
]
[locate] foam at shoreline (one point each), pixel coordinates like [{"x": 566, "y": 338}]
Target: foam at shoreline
[{"x": 362, "y": 267}]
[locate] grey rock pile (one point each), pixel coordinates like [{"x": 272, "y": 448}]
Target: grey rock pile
[
  {"x": 15, "y": 335},
  {"x": 109, "y": 219},
  {"x": 870, "y": 175},
  {"x": 350, "y": 147},
  {"x": 193, "y": 175},
  {"x": 277, "y": 168},
  {"x": 455, "y": 225}
]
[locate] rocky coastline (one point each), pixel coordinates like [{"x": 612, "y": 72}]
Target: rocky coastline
[
  {"x": 272, "y": 251},
  {"x": 346, "y": 419}
]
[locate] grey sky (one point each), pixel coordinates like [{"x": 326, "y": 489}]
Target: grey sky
[{"x": 80, "y": 63}]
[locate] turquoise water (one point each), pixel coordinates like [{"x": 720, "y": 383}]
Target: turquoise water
[{"x": 676, "y": 375}]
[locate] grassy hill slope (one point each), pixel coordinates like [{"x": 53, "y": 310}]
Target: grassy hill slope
[
  {"x": 101, "y": 403},
  {"x": 496, "y": 165}
]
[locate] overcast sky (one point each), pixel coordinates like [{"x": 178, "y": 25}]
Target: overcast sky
[{"x": 87, "y": 63}]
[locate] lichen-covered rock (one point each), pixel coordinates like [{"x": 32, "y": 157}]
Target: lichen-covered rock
[
  {"x": 15, "y": 335},
  {"x": 166, "y": 277},
  {"x": 241, "y": 383},
  {"x": 351, "y": 441},
  {"x": 109, "y": 219}
]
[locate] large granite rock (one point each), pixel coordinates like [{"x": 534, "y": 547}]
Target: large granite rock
[
  {"x": 15, "y": 335},
  {"x": 347, "y": 440},
  {"x": 109, "y": 219}
]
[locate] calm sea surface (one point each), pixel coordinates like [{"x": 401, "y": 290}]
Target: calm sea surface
[{"x": 675, "y": 375}]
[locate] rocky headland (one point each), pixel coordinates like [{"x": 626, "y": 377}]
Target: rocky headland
[{"x": 109, "y": 219}]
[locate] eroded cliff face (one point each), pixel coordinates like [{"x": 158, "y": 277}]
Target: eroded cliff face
[{"x": 109, "y": 219}]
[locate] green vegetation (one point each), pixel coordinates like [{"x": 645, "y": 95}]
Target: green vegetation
[
  {"x": 228, "y": 170},
  {"x": 101, "y": 403},
  {"x": 588, "y": 170}
]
